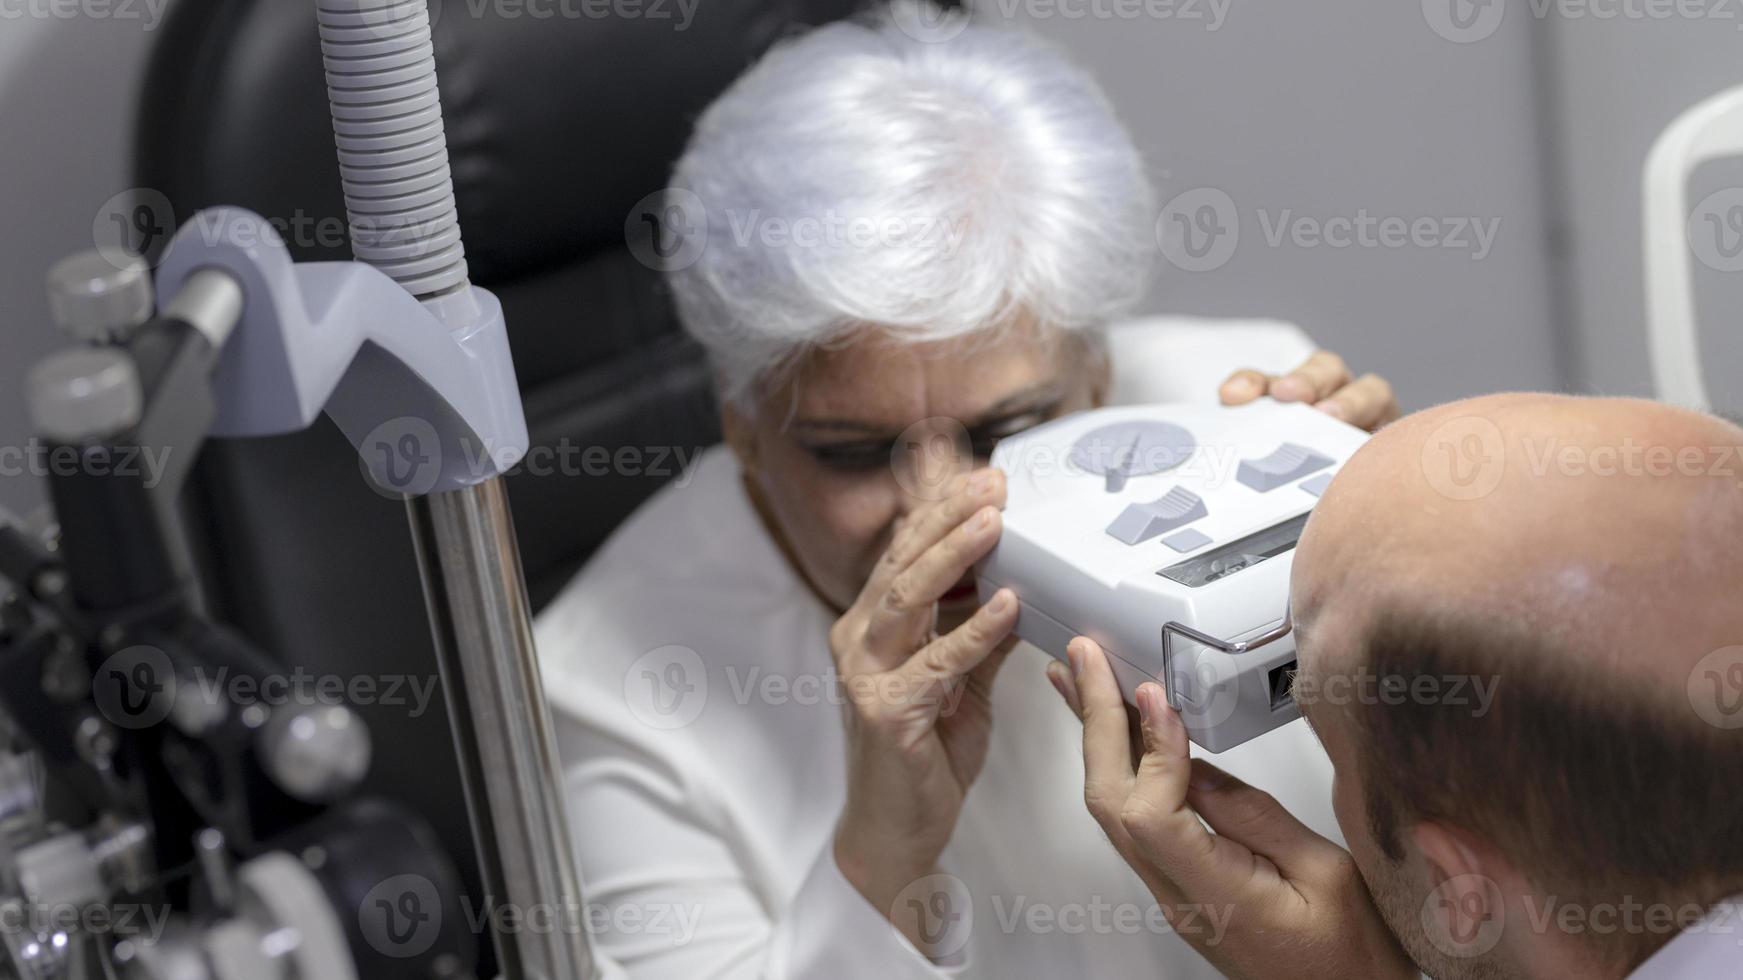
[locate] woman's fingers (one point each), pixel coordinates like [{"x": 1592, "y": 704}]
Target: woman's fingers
[
  {"x": 914, "y": 590},
  {"x": 1243, "y": 386},
  {"x": 933, "y": 521},
  {"x": 959, "y": 652},
  {"x": 1315, "y": 379},
  {"x": 1367, "y": 402}
]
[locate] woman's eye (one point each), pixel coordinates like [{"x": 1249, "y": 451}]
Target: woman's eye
[{"x": 857, "y": 458}]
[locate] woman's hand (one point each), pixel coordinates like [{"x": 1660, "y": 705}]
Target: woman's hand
[
  {"x": 920, "y": 712},
  {"x": 1293, "y": 903},
  {"x": 1324, "y": 382}
]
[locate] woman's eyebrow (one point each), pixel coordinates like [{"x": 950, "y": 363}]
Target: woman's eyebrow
[{"x": 1028, "y": 398}]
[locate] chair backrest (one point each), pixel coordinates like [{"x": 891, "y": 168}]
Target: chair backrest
[{"x": 557, "y": 127}]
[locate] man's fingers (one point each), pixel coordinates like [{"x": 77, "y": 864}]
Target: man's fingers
[
  {"x": 1367, "y": 402},
  {"x": 909, "y": 597},
  {"x": 1161, "y": 825},
  {"x": 1060, "y": 677},
  {"x": 1243, "y": 386},
  {"x": 1107, "y": 745},
  {"x": 1253, "y": 817},
  {"x": 1316, "y": 378}
]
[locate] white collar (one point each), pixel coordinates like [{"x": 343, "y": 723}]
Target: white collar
[{"x": 1708, "y": 950}]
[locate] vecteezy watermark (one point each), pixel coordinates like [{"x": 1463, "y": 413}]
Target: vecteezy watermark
[
  {"x": 1715, "y": 688},
  {"x": 1631, "y": 916},
  {"x": 393, "y": 20},
  {"x": 1464, "y": 916},
  {"x": 35, "y": 458},
  {"x": 669, "y": 229},
  {"x": 1366, "y": 686},
  {"x": 668, "y": 687},
  {"x": 1715, "y": 230},
  {"x": 403, "y": 916},
  {"x": 405, "y": 456},
  {"x": 938, "y": 910},
  {"x": 139, "y": 686},
  {"x": 147, "y": 13},
  {"x": 1465, "y": 458},
  {"x": 1469, "y": 21},
  {"x": 117, "y": 920},
  {"x": 1199, "y": 230},
  {"x": 930, "y": 457},
  {"x": 1101, "y": 917}
]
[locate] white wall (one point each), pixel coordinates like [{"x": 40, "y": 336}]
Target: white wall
[
  {"x": 1619, "y": 82},
  {"x": 1327, "y": 109}
]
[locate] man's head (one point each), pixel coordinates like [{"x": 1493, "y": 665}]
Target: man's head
[{"x": 1519, "y": 621}]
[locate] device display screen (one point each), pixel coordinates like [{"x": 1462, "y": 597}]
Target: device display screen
[{"x": 1231, "y": 558}]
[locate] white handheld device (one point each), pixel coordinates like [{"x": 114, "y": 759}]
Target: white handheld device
[{"x": 1166, "y": 533}]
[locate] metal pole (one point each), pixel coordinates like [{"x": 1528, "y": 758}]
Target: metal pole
[{"x": 480, "y": 617}]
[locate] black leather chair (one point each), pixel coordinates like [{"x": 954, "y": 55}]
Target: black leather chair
[{"x": 556, "y": 128}]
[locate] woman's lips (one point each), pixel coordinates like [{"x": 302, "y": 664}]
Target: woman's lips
[{"x": 959, "y": 592}]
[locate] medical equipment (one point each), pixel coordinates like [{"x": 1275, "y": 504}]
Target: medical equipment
[
  {"x": 127, "y": 780},
  {"x": 1709, "y": 131},
  {"x": 1166, "y": 533}
]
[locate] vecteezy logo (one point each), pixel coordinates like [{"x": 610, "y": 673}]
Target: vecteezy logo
[
  {"x": 1463, "y": 916},
  {"x": 929, "y": 455},
  {"x": 667, "y": 230},
  {"x": 941, "y": 910},
  {"x": 135, "y": 687},
  {"x": 1465, "y": 458},
  {"x": 136, "y": 222},
  {"x": 666, "y": 688},
  {"x": 402, "y": 457},
  {"x": 1715, "y": 230},
  {"x": 1715, "y": 688},
  {"x": 1198, "y": 230},
  {"x": 927, "y": 23},
  {"x": 402, "y": 916},
  {"x": 1464, "y": 21}
]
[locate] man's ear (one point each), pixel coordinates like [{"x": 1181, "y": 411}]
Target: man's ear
[{"x": 1469, "y": 881}]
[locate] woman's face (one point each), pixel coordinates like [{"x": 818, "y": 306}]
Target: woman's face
[{"x": 855, "y": 436}]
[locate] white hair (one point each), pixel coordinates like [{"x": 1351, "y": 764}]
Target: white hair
[{"x": 925, "y": 176}]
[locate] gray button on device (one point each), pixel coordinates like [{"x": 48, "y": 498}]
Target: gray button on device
[
  {"x": 1317, "y": 485},
  {"x": 1141, "y": 522},
  {"x": 1288, "y": 463},
  {"x": 1190, "y": 539}
]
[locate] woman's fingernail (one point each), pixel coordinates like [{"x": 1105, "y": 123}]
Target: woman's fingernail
[
  {"x": 1289, "y": 389},
  {"x": 983, "y": 519},
  {"x": 1001, "y": 601},
  {"x": 1331, "y": 408},
  {"x": 980, "y": 483},
  {"x": 1146, "y": 704},
  {"x": 1074, "y": 653}
]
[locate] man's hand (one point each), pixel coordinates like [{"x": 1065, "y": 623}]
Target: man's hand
[
  {"x": 1293, "y": 902},
  {"x": 1324, "y": 382}
]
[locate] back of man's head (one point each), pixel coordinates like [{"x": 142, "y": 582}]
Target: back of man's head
[{"x": 1547, "y": 595}]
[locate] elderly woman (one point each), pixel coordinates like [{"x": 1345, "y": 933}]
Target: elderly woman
[{"x": 786, "y": 753}]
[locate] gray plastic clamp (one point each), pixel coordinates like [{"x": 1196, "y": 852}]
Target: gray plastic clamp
[{"x": 425, "y": 390}]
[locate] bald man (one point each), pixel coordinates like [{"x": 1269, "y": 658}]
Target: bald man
[{"x": 1582, "y": 561}]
